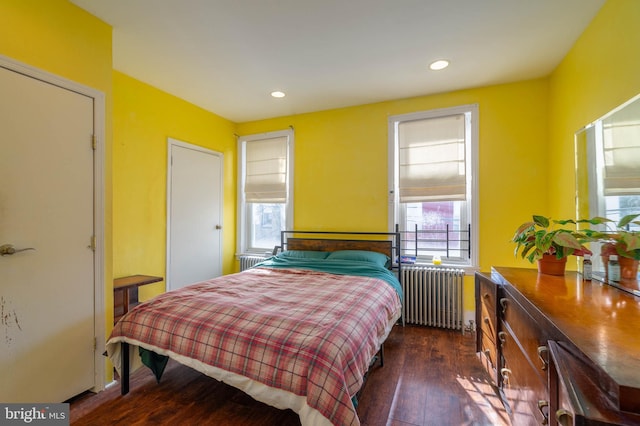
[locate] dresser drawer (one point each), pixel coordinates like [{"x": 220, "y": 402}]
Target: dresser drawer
[
  {"x": 576, "y": 395},
  {"x": 489, "y": 348},
  {"x": 531, "y": 337},
  {"x": 526, "y": 392},
  {"x": 488, "y": 321},
  {"x": 488, "y": 294},
  {"x": 488, "y": 353},
  {"x": 486, "y": 311}
]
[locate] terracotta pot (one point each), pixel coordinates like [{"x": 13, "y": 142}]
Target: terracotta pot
[
  {"x": 628, "y": 268},
  {"x": 551, "y": 265}
]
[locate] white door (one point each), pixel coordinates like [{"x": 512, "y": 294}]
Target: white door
[
  {"x": 194, "y": 194},
  {"x": 46, "y": 203}
]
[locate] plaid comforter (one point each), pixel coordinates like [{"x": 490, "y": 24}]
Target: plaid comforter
[{"x": 305, "y": 332}]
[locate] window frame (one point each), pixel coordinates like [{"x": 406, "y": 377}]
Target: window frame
[
  {"x": 598, "y": 202},
  {"x": 395, "y": 213},
  {"x": 244, "y": 227}
]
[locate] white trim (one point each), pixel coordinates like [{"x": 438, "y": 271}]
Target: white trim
[
  {"x": 98, "y": 202},
  {"x": 471, "y": 179},
  {"x": 474, "y": 180},
  {"x": 241, "y": 228},
  {"x": 175, "y": 142}
]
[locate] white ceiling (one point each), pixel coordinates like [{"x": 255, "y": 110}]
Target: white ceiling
[{"x": 226, "y": 56}]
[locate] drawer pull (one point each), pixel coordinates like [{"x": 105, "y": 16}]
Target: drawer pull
[
  {"x": 486, "y": 320},
  {"x": 543, "y": 350},
  {"x": 486, "y": 295},
  {"x": 504, "y": 372},
  {"x": 542, "y": 404},
  {"x": 502, "y": 336},
  {"x": 503, "y": 303},
  {"x": 564, "y": 417},
  {"x": 487, "y": 353}
]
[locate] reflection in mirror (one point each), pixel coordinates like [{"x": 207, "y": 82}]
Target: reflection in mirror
[
  {"x": 608, "y": 167},
  {"x": 583, "y": 200}
]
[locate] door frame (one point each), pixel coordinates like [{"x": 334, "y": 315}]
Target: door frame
[
  {"x": 98, "y": 97},
  {"x": 171, "y": 142}
]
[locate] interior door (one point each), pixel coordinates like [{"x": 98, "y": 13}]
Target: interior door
[
  {"x": 46, "y": 228},
  {"x": 194, "y": 246}
]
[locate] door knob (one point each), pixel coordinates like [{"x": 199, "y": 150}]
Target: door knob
[
  {"x": 9, "y": 249},
  {"x": 542, "y": 350}
]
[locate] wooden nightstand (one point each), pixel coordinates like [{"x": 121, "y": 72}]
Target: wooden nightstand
[{"x": 125, "y": 293}]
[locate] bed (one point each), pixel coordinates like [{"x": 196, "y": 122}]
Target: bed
[{"x": 297, "y": 331}]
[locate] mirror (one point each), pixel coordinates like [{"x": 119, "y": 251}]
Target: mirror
[{"x": 607, "y": 156}]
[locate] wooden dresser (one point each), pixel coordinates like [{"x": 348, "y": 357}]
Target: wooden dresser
[
  {"x": 563, "y": 351},
  {"x": 487, "y": 320}
]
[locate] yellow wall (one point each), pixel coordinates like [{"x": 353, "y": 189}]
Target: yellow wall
[
  {"x": 57, "y": 36},
  {"x": 601, "y": 71},
  {"x": 144, "y": 117},
  {"x": 341, "y": 163}
]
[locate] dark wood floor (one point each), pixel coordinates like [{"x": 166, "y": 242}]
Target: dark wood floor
[{"x": 430, "y": 377}]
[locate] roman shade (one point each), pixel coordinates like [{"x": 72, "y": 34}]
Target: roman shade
[
  {"x": 266, "y": 170},
  {"x": 432, "y": 159},
  {"x": 621, "y": 158}
]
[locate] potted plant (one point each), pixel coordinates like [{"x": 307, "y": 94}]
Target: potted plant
[
  {"x": 549, "y": 243},
  {"x": 622, "y": 242}
]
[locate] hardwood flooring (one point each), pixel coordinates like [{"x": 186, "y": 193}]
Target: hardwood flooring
[{"x": 430, "y": 377}]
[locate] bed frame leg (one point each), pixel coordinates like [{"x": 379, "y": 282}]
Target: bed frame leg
[{"x": 124, "y": 371}]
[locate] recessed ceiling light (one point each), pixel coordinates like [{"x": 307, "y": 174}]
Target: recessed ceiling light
[
  {"x": 277, "y": 94},
  {"x": 439, "y": 64}
]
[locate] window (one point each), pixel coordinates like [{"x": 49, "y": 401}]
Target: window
[
  {"x": 265, "y": 190},
  {"x": 619, "y": 159},
  {"x": 433, "y": 192},
  {"x": 607, "y": 172},
  {"x": 607, "y": 155}
]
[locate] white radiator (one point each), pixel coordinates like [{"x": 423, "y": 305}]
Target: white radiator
[
  {"x": 433, "y": 296},
  {"x": 247, "y": 262}
]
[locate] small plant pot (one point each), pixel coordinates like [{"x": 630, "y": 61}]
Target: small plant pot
[
  {"x": 628, "y": 268},
  {"x": 551, "y": 265}
]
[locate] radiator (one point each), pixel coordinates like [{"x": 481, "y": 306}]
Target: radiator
[
  {"x": 247, "y": 262},
  {"x": 433, "y": 296}
]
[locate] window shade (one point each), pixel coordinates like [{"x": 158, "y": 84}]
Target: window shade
[
  {"x": 432, "y": 159},
  {"x": 266, "y": 171},
  {"x": 621, "y": 159}
]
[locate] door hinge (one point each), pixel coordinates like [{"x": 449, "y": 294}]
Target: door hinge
[
  {"x": 94, "y": 142},
  {"x": 93, "y": 244}
]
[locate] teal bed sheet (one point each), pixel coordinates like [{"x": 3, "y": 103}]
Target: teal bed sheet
[{"x": 335, "y": 266}]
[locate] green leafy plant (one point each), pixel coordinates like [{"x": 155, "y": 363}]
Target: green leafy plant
[
  {"x": 543, "y": 236},
  {"x": 621, "y": 240}
]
